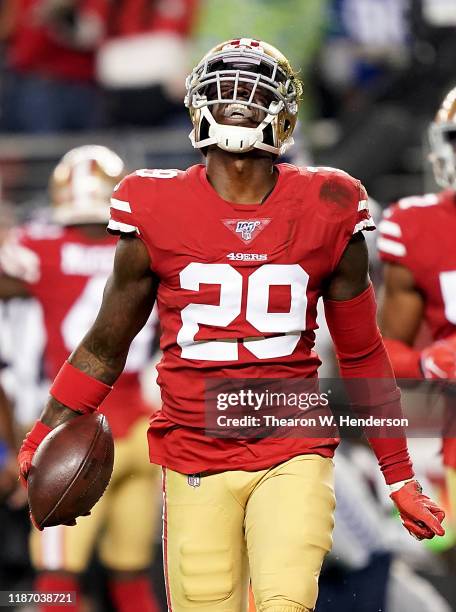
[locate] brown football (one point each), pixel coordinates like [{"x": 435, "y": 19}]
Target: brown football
[{"x": 70, "y": 470}]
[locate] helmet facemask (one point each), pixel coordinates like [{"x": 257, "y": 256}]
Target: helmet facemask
[
  {"x": 249, "y": 77},
  {"x": 442, "y": 138}
]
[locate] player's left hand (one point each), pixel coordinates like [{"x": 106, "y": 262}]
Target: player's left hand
[{"x": 420, "y": 515}]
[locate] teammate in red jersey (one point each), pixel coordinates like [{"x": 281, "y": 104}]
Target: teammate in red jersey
[
  {"x": 236, "y": 252},
  {"x": 417, "y": 245},
  {"x": 64, "y": 265}
]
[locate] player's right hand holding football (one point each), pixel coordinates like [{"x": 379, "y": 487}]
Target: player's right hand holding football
[{"x": 420, "y": 515}]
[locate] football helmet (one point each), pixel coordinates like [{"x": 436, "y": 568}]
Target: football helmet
[
  {"x": 81, "y": 185},
  {"x": 238, "y": 66},
  {"x": 442, "y": 138}
]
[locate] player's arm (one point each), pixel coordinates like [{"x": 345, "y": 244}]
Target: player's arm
[
  {"x": 402, "y": 305},
  {"x": 6, "y": 422},
  {"x": 18, "y": 266},
  {"x": 12, "y": 288},
  {"x": 86, "y": 379},
  {"x": 8, "y": 447},
  {"x": 350, "y": 309},
  {"x": 401, "y": 314}
]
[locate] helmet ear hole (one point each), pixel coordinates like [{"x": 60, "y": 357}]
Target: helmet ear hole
[
  {"x": 268, "y": 135},
  {"x": 204, "y": 133},
  {"x": 286, "y": 125},
  {"x": 204, "y": 129}
]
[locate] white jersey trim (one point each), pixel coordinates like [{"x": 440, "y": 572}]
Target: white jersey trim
[
  {"x": 116, "y": 226},
  {"x": 390, "y": 228},
  {"x": 120, "y": 205},
  {"x": 392, "y": 247},
  {"x": 429, "y": 199},
  {"x": 364, "y": 224}
]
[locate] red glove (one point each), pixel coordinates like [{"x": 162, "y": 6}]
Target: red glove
[
  {"x": 438, "y": 361},
  {"x": 420, "y": 515},
  {"x": 32, "y": 440}
]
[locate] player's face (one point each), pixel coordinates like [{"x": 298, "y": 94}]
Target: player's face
[{"x": 233, "y": 113}]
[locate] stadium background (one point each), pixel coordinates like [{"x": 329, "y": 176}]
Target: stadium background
[{"x": 374, "y": 71}]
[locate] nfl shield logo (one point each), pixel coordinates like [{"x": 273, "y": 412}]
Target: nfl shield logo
[
  {"x": 194, "y": 480},
  {"x": 246, "y": 229}
]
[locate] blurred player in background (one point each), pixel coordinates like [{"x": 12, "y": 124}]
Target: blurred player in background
[
  {"x": 237, "y": 253},
  {"x": 64, "y": 266},
  {"x": 8, "y": 473},
  {"x": 8, "y": 450},
  {"x": 417, "y": 244}
]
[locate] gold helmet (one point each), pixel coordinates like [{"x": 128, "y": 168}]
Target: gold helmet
[
  {"x": 442, "y": 138},
  {"x": 82, "y": 183},
  {"x": 255, "y": 65}
]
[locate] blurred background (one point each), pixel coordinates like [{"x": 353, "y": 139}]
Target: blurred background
[{"x": 112, "y": 73}]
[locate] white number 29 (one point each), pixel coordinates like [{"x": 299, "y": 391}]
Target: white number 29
[{"x": 291, "y": 323}]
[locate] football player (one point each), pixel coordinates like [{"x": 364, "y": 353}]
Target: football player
[
  {"x": 237, "y": 252},
  {"x": 64, "y": 265},
  {"x": 8, "y": 449},
  {"x": 416, "y": 243}
]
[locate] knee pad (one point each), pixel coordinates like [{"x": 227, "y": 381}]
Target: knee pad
[{"x": 206, "y": 575}]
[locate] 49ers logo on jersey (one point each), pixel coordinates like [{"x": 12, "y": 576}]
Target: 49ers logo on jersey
[{"x": 246, "y": 229}]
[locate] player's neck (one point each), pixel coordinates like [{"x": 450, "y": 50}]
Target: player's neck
[{"x": 243, "y": 179}]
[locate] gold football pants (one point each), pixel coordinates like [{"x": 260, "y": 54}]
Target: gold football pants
[
  {"x": 122, "y": 524},
  {"x": 274, "y": 525}
]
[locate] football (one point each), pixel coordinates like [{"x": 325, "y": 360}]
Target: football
[{"x": 70, "y": 470}]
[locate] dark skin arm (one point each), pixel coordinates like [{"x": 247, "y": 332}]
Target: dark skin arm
[
  {"x": 6, "y": 421},
  {"x": 8, "y": 473},
  {"x": 12, "y": 288},
  {"x": 401, "y": 311},
  {"x": 351, "y": 276},
  {"x": 127, "y": 303}
]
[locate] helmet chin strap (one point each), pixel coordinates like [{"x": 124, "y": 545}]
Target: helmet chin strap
[{"x": 233, "y": 138}]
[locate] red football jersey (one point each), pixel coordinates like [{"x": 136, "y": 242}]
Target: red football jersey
[
  {"x": 419, "y": 233},
  {"x": 237, "y": 295},
  {"x": 66, "y": 271}
]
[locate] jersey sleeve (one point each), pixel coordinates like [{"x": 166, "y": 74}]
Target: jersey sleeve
[
  {"x": 345, "y": 199},
  {"x": 18, "y": 258},
  {"x": 344, "y": 206},
  {"x": 363, "y": 219},
  {"x": 391, "y": 242},
  {"x": 122, "y": 216}
]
